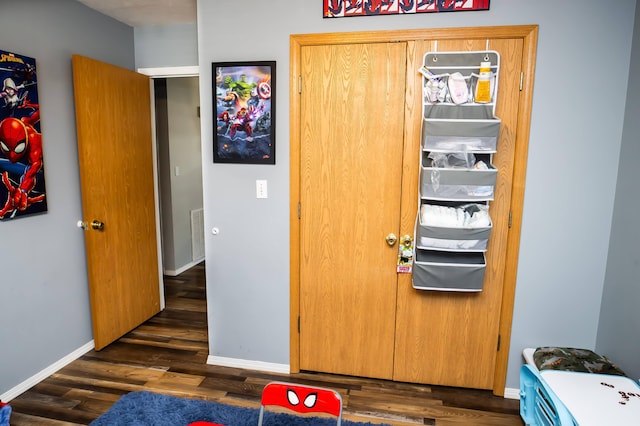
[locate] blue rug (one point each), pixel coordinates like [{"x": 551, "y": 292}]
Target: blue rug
[{"x": 152, "y": 409}]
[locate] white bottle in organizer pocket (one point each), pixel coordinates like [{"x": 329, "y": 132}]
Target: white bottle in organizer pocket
[{"x": 484, "y": 85}]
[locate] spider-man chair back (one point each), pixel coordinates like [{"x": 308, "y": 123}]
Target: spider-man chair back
[{"x": 302, "y": 399}]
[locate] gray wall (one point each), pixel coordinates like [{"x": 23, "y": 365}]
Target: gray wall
[
  {"x": 184, "y": 154},
  {"x": 164, "y": 172},
  {"x": 619, "y": 319},
  {"x": 166, "y": 46},
  {"x": 44, "y": 300},
  {"x": 575, "y": 149},
  {"x": 180, "y": 167},
  {"x": 571, "y": 179}
]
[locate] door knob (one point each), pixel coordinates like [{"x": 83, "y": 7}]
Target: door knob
[
  {"x": 97, "y": 225},
  {"x": 391, "y": 239},
  {"x": 82, "y": 225}
]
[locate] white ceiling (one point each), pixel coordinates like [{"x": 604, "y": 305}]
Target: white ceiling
[{"x": 138, "y": 13}]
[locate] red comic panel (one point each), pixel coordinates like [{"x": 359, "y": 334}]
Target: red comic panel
[
  {"x": 353, "y": 7},
  {"x": 381, "y": 7}
]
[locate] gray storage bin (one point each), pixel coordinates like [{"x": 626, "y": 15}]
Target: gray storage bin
[
  {"x": 460, "y": 134},
  {"x": 441, "y": 62},
  {"x": 437, "y": 112},
  {"x": 452, "y": 239},
  {"x": 445, "y": 271},
  {"x": 457, "y": 184},
  {"x": 440, "y": 66}
]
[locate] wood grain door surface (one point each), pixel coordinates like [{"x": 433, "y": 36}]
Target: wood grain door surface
[
  {"x": 113, "y": 119},
  {"x": 451, "y": 338},
  {"x": 360, "y": 115},
  {"x": 353, "y": 115}
]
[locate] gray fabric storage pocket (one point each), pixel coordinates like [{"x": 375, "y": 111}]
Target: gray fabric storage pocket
[
  {"x": 461, "y": 135},
  {"x": 457, "y": 184},
  {"x": 445, "y": 271},
  {"x": 463, "y": 239}
]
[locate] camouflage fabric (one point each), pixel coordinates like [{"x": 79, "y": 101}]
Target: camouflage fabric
[{"x": 572, "y": 359}]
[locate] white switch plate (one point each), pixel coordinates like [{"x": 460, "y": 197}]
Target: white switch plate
[{"x": 261, "y": 189}]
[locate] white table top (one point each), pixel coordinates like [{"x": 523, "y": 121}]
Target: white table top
[{"x": 596, "y": 399}]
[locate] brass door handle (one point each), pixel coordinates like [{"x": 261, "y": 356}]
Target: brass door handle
[
  {"x": 391, "y": 239},
  {"x": 97, "y": 225}
]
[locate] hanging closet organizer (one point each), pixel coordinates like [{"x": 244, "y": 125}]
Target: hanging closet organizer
[{"x": 457, "y": 177}]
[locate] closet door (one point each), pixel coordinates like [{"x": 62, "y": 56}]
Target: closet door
[
  {"x": 351, "y": 133},
  {"x": 449, "y": 338}
]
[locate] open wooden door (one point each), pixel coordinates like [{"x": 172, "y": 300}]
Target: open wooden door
[{"x": 113, "y": 119}]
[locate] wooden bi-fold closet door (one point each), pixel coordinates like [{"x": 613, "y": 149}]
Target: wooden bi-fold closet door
[
  {"x": 356, "y": 120},
  {"x": 352, "y": 109},
  {"x": 451, "y": 338}
]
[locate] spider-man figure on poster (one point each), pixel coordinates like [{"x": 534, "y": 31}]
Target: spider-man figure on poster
[{"x": 20, "y": 142}]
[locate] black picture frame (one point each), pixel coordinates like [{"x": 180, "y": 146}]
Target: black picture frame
[{"x": 244, "y": 112}]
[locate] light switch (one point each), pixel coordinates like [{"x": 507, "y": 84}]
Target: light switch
[{"x": 261, "y": 189}]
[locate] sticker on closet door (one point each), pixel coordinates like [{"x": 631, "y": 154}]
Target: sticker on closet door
[{"x": 405, "y": 255}]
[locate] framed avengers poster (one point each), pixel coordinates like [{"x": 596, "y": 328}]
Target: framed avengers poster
[
  {"x": 244, "y": 112},
  {"x": 342, "y": 8},
  {"x": 22, "y": 186}
]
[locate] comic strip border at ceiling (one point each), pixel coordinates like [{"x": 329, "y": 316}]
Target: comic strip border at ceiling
[{"x": 346, "y": 8}]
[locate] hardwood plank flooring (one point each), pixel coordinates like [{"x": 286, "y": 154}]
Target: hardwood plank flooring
[{"x": 168, "y": 354}]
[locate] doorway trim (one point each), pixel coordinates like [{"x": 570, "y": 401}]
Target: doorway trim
[
  {"x": 164, "y": 72},
  {"x": 529, "y": 36},
  {"x": 152, "y": 73}
]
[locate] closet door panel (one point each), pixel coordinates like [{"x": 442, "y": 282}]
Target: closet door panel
[
  {"x": 447, "y": 338},
  {"x": 351, "y": 133}
]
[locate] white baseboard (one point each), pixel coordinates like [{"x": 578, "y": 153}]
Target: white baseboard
[
  {"x": 511, "y": 393},
  {"x": 37, "y": 378},
  {"x": 249, "y": 365},
  {"x": 186, "y": 267}
]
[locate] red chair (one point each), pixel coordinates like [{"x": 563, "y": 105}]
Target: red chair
[{"x": 302, "y": 399}]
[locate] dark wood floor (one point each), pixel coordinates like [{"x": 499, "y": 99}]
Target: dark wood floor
[{"x": 168, "y": 353}]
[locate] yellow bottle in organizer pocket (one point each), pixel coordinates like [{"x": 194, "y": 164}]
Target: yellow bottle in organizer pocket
[{"x": 484, "y": 85}]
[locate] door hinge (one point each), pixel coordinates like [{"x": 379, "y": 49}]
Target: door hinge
[
  {"x": 510, "y": 218},
  {"x": 497, "y": 350},
  {"x": 521, "y": 80},
  {"x": 298, "y": 210},
  {"x": 299, "y": 84},
  {"x": 298, "y": 324},
  {"x": 198, "y": 111}
]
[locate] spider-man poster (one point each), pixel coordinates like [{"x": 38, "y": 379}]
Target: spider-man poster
[
  {"x": 340, "y": 8},
  {"x": 22, "y": 188}
]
